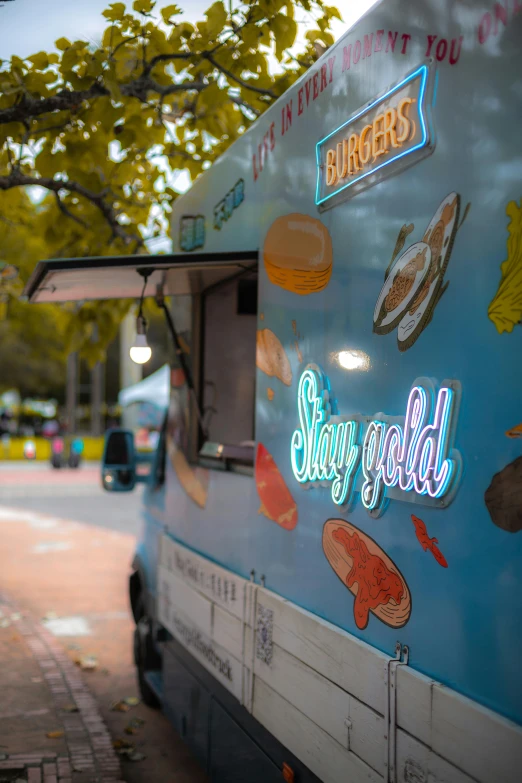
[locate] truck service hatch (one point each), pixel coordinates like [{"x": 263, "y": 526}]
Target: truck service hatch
[{"x": 118, "y": 277}]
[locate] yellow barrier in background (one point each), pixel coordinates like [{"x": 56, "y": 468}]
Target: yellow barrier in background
[{"x": 14, "y": 450}]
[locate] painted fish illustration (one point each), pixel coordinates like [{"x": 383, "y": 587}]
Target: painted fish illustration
[{"x": 428, "y": 543}]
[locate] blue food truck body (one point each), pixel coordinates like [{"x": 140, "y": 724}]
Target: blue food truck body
[{"x": 328, "y": 583}]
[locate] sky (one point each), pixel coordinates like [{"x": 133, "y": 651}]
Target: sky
[{"x": 30, "y": 26}]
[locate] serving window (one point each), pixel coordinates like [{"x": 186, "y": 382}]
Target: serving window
[{"x": 227, "y": 374}]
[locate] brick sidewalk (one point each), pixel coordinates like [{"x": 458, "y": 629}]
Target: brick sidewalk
[{"x": 42, "y": 692}]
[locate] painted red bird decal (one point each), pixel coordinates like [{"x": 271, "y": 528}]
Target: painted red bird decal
[{"x": 428, "y": 543}]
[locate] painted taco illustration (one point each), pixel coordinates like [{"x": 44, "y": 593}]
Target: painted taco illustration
[
  {"x": 297, "y": 254},
  {"x": 369, "y": 574},
  {"x": 406, "y": 277},
  {"x": 277, "y": 502},
  {"x": 440, "y": 236},
  {"x": 271, "y": 357}
]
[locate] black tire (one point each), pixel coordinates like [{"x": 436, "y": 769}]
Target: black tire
[
  {"x": 74, "y": 460},
  {"x": 145, "y": 656}
]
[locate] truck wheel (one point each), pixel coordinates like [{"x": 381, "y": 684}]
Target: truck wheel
[{"x": 145, "y": 656}]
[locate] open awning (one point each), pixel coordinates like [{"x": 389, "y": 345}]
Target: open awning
[{"x": 117, "y": 277}]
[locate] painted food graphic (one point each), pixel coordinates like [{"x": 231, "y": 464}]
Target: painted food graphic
[
  {"x": 369, "y": 574},
  {"x": 503, "y": 497},
  {"x": 506, "y": 308},
  {"x": 194, "y": 481},
  {"x": 440, "y": 236},
  {"x": 515, "y": 432},
  {"x": 415, "y": 282},
  {"x": 298, "y": 254},
  {"x": 271, "y": 357},
  {"x": 276, "y": 501},
  {"x": 406, "y": 278},
  {"x": 428, "y": 543}
]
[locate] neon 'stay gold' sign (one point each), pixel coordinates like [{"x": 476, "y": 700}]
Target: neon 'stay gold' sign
[{"x": 392, "y": 128}]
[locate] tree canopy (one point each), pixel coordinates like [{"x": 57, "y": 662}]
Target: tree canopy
[{"x": 98, "y": 128}]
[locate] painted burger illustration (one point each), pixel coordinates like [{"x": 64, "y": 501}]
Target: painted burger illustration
[{"x": 374, "y": 580}]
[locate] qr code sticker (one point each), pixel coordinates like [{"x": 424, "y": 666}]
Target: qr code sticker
[{"x": 264, "y": 643}]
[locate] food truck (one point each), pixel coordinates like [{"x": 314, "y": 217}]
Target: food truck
[{"x": 328, "y": 585}]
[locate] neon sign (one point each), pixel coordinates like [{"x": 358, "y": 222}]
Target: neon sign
[
  {"x": 380, "y": 457},
  {"x": 389, "y": 129}
]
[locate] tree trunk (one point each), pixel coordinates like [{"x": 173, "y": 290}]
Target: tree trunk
[{"x": 72, "y": 392}]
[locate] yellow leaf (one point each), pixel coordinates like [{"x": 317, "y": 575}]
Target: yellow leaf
[
  {"x": 250, "y": 35},
  {"x": 216, "y": 16},
  {"x": 285, "y": 31},
  {"x": 39, "y": 60},
  {"x": 114, "y": 12},
  {"x": 333, "y": 12},
  {"x": 55, "y": 734},
  {"x": 170, "y": 10},
  {"x": 143, "y": 6},
  {"x": 62, "y": 44}
]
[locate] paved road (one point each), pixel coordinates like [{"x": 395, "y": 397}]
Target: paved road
[
  {"x": 65, "y": 553},
  {"x": 69, "y": 494}
]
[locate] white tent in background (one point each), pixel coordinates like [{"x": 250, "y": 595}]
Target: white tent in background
[{"x": 154, "y": 389}]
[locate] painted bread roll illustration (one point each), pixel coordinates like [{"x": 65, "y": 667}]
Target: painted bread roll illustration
[
  {"x": 271, "y": 357},
  {"x": 375, "y": 581},
  {"x": 277, "y": 503},
  {"x": 298, "y": 254}
]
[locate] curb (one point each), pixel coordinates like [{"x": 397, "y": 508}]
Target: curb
[{"x": 91, "y": 756}]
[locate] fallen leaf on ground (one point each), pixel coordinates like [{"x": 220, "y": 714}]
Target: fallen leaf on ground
[
  {"x": 70, "y": 708},
  {"x": 132, "y": 701},
  {"x": 123, "y": 747},
  {"x": 136, "y": 756},
  {"x": 133, "y": 726},
  {"x": 88, "y": 662},
  {"x": 119, "y": 706},
  {"x": 55, "y": 734}
]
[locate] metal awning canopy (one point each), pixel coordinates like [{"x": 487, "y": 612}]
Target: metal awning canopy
[{"x": 117, "y": 277}]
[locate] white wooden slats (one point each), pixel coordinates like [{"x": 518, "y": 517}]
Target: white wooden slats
[
  {"x": 315, "y": 747},
  {"x": 323, "y": 693},
  {"x": 414, "y": 703},
  {"x": 219, "y": 585},
  {"x": 417, "y": 763},
  {"x": 484, "y": 744},
  {"x": 475, "y": 739},
  {"x": 351, "y": 723},
  {"x": 354, "y": 666}
]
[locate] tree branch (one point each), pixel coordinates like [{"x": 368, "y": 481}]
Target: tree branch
[
  {"x": 65, "y": 100},
  {"x": 67, "y": 212},
  {"x": 240, "y": 102},
  {"x": 18, "y": 179},
  {"x": 241, "y": 82}
]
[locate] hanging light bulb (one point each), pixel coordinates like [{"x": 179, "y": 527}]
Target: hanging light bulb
[{"x": 141, "y": 350}]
